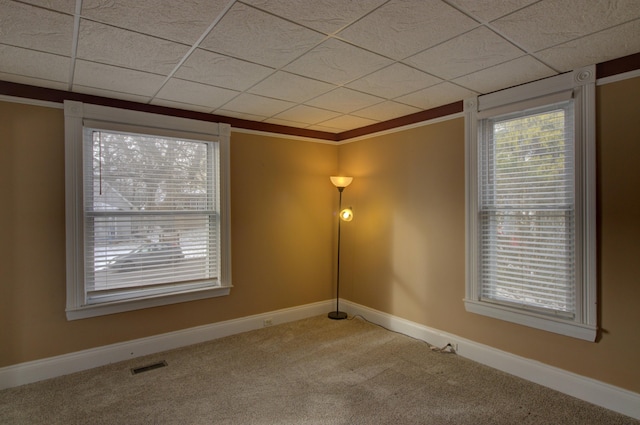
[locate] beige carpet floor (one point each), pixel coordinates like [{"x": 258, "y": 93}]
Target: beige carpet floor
[{"x": 312, "y": 371}]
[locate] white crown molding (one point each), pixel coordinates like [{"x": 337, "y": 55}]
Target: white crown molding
[{"x": 587, "y": 389}]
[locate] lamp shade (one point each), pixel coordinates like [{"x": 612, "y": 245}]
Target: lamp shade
[
  {"x": 346, "y": 214},
  {"x": 339, "y": 181}
]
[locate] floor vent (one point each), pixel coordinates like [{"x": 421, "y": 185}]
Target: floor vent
[{"x": 137, "y": 370}]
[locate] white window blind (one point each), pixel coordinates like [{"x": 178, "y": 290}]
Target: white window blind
[
  {"x": 151, "y": 214},
  {"x": 526, "y": 209}
]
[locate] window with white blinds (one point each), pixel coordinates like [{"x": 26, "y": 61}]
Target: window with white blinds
[
  {"x": 531, "y": 205},
  {"x": 147, "y": 210},
  {"x": 526, "y": 209},
  {"x": 151, "y": 214}
]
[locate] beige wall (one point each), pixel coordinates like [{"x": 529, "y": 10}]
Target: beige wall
[
  {"x": 282, "y": 239},
  {"x": 404, "y": 251}
]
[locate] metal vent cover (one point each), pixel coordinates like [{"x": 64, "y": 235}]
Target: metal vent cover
[{"x": 152, "y": 366}]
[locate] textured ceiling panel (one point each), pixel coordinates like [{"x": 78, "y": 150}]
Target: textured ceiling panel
[
  {"x": 512, "y": 73},
  {"x": 327, "y": 65},
  {"x": 195, "y": 93},
  {"x": 128, "y": 49},
  {"x": 286, "y": 86},
  {"x": 327, "y": 16},
  {"x": 255, "y": 36},
  {"x": 552, "y": 22},
  {"x": 347, "y": 122},
  {"x": 257, "y": 105},
  {"x": 307, "y": 114},
  {"x": 344, "y": 100},
  {"x": 116, "y": 79},
  {"x": 402, "y": 28},
  {"x": 438, "y": 95},
  {"x": 393, "y": 81},
  {"x": 386, "y": 111},
  {"x": 470, "y": 52},
  {"x": 211, "y": 68},
  {"x": 30, "y": 63},
  {"x": 337, "y": 62},
  {"x": 35, "y": 28},
  {"x": 605, "y": 45},
  {"x": 488, "y": 10},
  {"x": 183, "y": 21}
]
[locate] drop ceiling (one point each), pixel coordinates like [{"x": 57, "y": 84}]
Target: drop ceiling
[{"x": 324, "y": 65}]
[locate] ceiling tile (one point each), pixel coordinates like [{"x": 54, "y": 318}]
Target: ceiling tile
[
  {"x": 347, "y": 122},
  {"x": 255, "y": 36},
  {"x": 65, "y": 6},
  {"x": 286, "y": 123},
  {"x": 402, "y": 28},
  {"x": 257, "y": 105},
  {"x": 551, "y": 22},
  {"x": 386, "y": 111},
  {"x": 518, "y": 71},
  {"x": 337, "y": 62},
  {"x": 609, "y": 44},
  {"x": 344, "y": 100},
  {"x": 222, "y": 71},
  {"x": 470, "y": 52},
  {"x": 488, "y": 10},
  {"x": 393, "y": 81},
  {"x": 180, "y": 105},
  {"x": 239, "y": 115},
  {"x": 286, "y": 86},
  {"x": 112, "y": 78},
  {"x": 31, "y": 63},
  {"x": 34, "y": 28},
  {"x": 326, "y": 16},
  {"x": 307, "y": 114},
  {"x": 111, "y": 94},
  {"x": 325, "y": 129},
  {"x": 438, "y": 95},
  {"x": 128, "y": 49},
  {"x": 183, "y": 21},
  {"x": 30, "y": 81},
  {"x": 195, "y": 93}
]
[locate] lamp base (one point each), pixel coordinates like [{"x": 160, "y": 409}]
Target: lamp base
[{"x": 337, "y": 315}]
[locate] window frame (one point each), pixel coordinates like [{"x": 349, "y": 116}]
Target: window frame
[
  {"x": 79, "y": 115},
  {"x": 580, "y": 86}
]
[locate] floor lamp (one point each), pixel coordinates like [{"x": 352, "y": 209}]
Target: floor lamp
[{"x": 345, "y": 215}]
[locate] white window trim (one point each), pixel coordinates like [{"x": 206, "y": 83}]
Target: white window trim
[
  {"x": 77, "y": 114},
  {"x": 581, "y": 84}
]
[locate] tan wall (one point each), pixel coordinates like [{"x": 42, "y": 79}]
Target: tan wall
[
  {"x": 282, "y": 239},
  {"x": 404, "y": 251}
]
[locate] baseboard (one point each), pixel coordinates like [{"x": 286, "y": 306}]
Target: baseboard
[
  {"x": 581, "y": 387},
  {"x": 38, "y": 370}
]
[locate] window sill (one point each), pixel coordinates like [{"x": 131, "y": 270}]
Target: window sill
[
  {"x": 102, "y": 309},
  {"x": 532, "y": 320}
]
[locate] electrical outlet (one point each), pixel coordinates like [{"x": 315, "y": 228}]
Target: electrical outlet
[{"x": 267, "y": 322}]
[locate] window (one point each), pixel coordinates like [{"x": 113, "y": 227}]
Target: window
[
  {"x": 531, "y": 205},
  {"x": 147, "y": 210}
]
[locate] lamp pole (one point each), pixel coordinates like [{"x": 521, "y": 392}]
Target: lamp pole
[{"x": 338, "y": 315}]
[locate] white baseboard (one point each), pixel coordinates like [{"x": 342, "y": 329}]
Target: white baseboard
[
  {"x": 38, "y": 370},
  {"x": 581, "y": 387}
]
